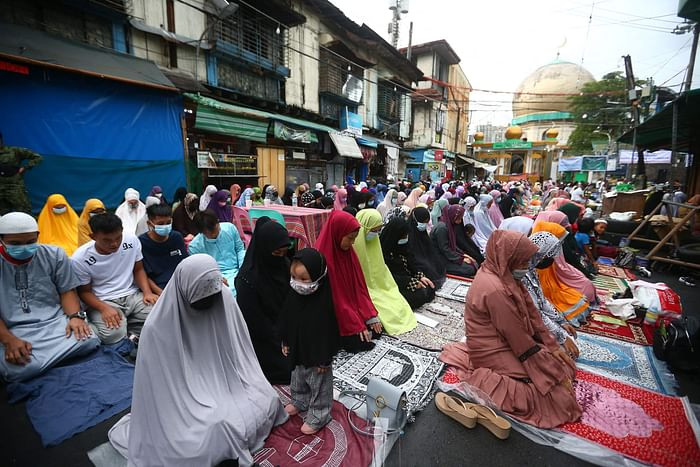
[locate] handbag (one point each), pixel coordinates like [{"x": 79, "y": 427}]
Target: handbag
[{"x": 384, "y": 400}]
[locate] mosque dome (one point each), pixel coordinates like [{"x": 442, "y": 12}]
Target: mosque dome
[
  {"x": 479, "y": 136},
  {"x": 514, "y": 132},
  {"x": 552, "y": 133},
  {"x": 558, "y": 77}
]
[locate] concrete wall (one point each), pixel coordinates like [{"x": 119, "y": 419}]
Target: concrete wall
[
  {"x": 301, "y": 88},
  {"x": 424, "y": 63},
  {"x": 457, "y": 125}
]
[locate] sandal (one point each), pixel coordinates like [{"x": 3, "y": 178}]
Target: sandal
[
  {"x": 497, "y": 425},
  {"x": 456, "y": 409}
]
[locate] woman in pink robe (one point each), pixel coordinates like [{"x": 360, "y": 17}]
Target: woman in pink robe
[
  {"x": 509, "y": 355},
  {"x": 494, "y": 211}
]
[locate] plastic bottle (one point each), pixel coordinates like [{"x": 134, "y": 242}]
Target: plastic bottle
[{"x": 295, "y": 201}]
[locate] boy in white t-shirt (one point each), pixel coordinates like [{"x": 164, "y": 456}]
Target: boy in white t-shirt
[{"x": 113, "y": 283}]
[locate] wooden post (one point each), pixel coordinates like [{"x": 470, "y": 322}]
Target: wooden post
[
  {"x": 644, "y": 222},
  {"x": 673, "y": 231}
]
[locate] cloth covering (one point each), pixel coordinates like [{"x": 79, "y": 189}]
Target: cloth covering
[
  {"x": 517, "y": 224},
  {"x": 262, "y": 286},
  {"x": 206, "y": 197},
  {"x": 341, "y": 199},
  {"x": 84, "y": 230},
  {"x": 482, "y": 222},
  {"x": 199, "y": 394},
  {"x": 413, "y": 198},
  {"x": 224, "y": 213},
  {"x": 503, "y": 327},
  {"x": 183, "y": 215},
  {"x": 394, "y": 311},
  {"x": 351, "y": 299},
  {"x": 309, "y": 326},
  {"x": 130, "y": 217},
  {"x": 227, "y": 249},
  {"x": 60, "y": 230},
  {"x": 425, "y": 256},
  {"x": 436, "y": 212},
  {"x": 494, "y": 211},
  {"x": 387, "y": 205}
]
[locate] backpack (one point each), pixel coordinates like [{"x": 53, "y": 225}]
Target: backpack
[
  {"x": 626, "y": 258},
  {"x": 678, "y": 343}
]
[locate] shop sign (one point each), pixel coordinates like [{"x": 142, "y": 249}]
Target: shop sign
[
  {"x": 513, "y": 144},
  {"x": 351, "y": 122},
  {"x": 433, "y": 166},
  {"x": 287, "y": 133},
  {"x": 298, "y": 155},
  {"x": 438, "y": 154},
  {"x": 14, "y": 68}
]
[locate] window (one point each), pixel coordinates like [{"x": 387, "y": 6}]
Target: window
[{"x": 245, "y": 82}]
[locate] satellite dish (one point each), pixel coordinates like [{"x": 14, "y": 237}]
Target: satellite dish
[{"x": 352, "y": 89}]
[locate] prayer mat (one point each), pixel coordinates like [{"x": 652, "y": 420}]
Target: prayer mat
[
  {"x": 627, "y": 332},
  {"x": 454, "y": 289},
  {"x": 622, "y": 361},
  {"x": 614, "y": 271},
  {"x": 412, "y": 369},
  {"x": 448, "y": 317},
  {"x": 609, "y": 284},
  {"x": 336, "y": 444}
]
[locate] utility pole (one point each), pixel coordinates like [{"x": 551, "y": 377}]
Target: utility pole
[
  {"x": 410, "y": 42},
  {"x": 691, "y": 62},
  {"x": 634, "y": 102},
  {"x": 397, "y": 7}
]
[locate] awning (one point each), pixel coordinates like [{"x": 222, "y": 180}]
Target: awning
[
  {"x": 369, "y": 140},
  {"x": 346, "y": 145},
  {"x": 222, "y": 123},
  {"x": 366, "y": 142},
  {"x": 39, "y": 48}
]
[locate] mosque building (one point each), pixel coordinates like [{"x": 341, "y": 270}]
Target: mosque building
[{"x": 541, "y": 126}]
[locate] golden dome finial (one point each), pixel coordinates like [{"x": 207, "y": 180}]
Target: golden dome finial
[{"x": 514, "y": 132}]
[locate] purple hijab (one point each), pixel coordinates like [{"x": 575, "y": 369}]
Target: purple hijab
[
  {"x": 224, "y": 213},
  {"x": 449, "y": 214}
]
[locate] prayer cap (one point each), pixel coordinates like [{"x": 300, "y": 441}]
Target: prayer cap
[
  {"x": 130, "y": 194},
  {"x": 17, "y": 223}
]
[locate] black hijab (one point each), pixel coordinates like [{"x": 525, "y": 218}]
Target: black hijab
[
  {"x": 287, "y": 197},
  {"x": 180, "y": 194},
  {"x": 309, "y": 326},
  {"x": 506, "y": 204},
  {"x": 424, "y": 254},
  {"x": 396, "y": 229}
]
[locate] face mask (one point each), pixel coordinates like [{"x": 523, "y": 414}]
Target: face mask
[
  {"x": 402, "y": 241},
  {"x": 93, "y": 214},
  {"x": 362, "y": 205},
  {"x": 163, "y": 230},
  {"x": 21, "y": 252},
  {"x": 222, "y": 203},
  {"x": 371, "y": 236},
  {"x": 60, "y": 210},
  {"x": 303, "y": 288},
  {"x": 394, "y": 201},
  {"x": 518, "y": 274},
  {"x": 422, "y": 226},
  {"x": 159, "y": 195},
  {"x": 133, "y": 206},
  {"x": 545, "y": 263},
  {"x": 206, "y": 302},
  {"x": 275, "y": 194}
]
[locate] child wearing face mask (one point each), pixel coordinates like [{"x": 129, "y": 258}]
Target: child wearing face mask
[{"x": 310, "y": 339}]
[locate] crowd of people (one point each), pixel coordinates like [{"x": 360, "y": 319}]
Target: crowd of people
[{"x": 213, "y": 318}]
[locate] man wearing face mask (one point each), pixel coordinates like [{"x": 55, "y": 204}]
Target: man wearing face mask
[
  {"x": 40, "y": 318},
  {"x": 163, "y": 248}
]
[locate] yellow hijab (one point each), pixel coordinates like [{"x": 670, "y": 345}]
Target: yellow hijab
[
  {"x": 569, "y": 301},
  {"x": 394, "y": 311},
  {"x": 58, "y": 229},
  {"x": 84, "y": 230}
]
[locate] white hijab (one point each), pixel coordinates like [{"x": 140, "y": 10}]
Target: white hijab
[
  {"x": 386, "y": 206},
  {"x": 209, "y": 191},
  {"x": 199, "y": 394},
  {"x": 483, "y": 224},
  {"x": 142, "y": 226},
  {"x": 469, "y": 203},
  {"x": 130, "y": 217},
  {"x": 520, "y": 224}
]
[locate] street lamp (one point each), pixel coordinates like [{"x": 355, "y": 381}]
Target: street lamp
[{"x": 227, "y": 9}]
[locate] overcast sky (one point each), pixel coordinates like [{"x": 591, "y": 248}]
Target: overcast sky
[{"x": 500, "y": 42}]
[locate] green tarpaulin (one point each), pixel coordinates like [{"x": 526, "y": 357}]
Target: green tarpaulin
[{"x": 224, "y": 123}]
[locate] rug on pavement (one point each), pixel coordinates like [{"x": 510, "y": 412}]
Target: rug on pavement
[
  {"x": 603, "y": 323},
  {"x": 410, "y": 368},
  {"x": 337, "y": 444},
  {"x": 622, "y": 361},
  {"x": 608, "y": 284},
  {"x": 454, "y": 289},
  {"x": 646, "y": 426},
  {"x": 440, "y": 322},
  {"x": 615, "y": 271}
]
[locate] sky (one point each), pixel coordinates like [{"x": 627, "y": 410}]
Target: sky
[{"x": 500, "y": 42}]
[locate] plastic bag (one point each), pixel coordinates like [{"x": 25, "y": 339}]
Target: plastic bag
[{"x": 657, "y": 298}]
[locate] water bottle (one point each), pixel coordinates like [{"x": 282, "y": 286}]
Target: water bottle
[
  {"x": 295, "y": 201},
  {"x": 623, "y": 242}
]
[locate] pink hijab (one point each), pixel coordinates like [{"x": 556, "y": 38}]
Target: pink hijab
[
  {"x": 413, "y": 198},
  {"x": 556, "y": 203},
  {"x": 341, "y": 199},
  {"x": 494, "y": 212}
]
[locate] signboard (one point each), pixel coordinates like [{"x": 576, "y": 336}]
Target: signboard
[
  {"x": 433, "y": 166},
  {"x": 298, "y": 155},
  {"x": 512, "y": 144},
  {"x": 287, "y": 133},
  {"x": 594, "y": 163},
  {"x": 351, "y": 122},
  {"x": 570, "y": 164},
  {"x": 612, "y": 164},
  {"x": 205, "y": 161},
  {"x": 438, "y": 154},
  {"x": 662, "y": 156}
]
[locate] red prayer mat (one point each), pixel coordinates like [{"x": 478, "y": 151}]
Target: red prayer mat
[
  {"x": 629, "y": 332},
  {"x": 644, "y": 425},
  {"x": 337, "y": 444},
  {"x": 615, "y": 271}
]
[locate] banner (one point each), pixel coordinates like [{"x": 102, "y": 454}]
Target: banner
[
  {"x": 570, "y": 164},
  {"x": 662, "y": 156},
  {"x": 594, "y": 163}
]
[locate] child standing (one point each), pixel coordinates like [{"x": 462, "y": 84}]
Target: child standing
[
  {"x": 583, "y": 237},
  {"x": 310, "y": 339}
]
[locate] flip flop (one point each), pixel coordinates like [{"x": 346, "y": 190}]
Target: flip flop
[
  {"x": 497, "y": 425},
  {"x": 456, "y": 409}
]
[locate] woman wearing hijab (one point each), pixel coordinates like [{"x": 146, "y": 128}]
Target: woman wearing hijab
[
  {"x": 157, "y": 192},
  {"x": 394, "y": 311},
  {"x": 287, "y": 196},
  {"x": 179, "y": 197},
  {"x": 469, "y": 205},
  {"x": 218, "y": 205},
  {"x": 361, "y": 200},
  {"x": 183, "y": 216},
  {"x": 444, "y": 237},
  {"x": 413, "y": 198},
  {"x": 354, "y": 310},
  {"x": 93, "y": 207},
  {"x": 235, "y": 191},
  {"x": 390, "y": 201},
  {"x": 401, "y": 199},
  {"x": 425, "y": 256},
  {"x": 310, "y": 339},
  {"x": 262, "y": 286},
  {"x": 520, "y": 224},
  {"x": 482, "y": 221},
  {"x": 272, "y": 195},
  {"x": 494, "y": 211},
  {"x": 197, "y": 379},
  {"x": 204, "y": 200},
  {"x": 341, "y": 199},
  {"x": 414, "y": 285},
  {"x": 58, "y": 224},
  {"x": 510, "y": 356},
  {"x": 245, "y": 196},
  {"x": 508, "y": 203},
  {"x": 436, "y": 212},
  {"x": 257, "y": 196},
  {"x": 142, "y": 225},
  {"x": 571, "y": 302},
  {"x": 572, "y": 254},
  {"x": 131, "y": 211}
]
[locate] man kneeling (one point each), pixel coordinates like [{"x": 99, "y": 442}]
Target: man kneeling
[
  {"x": 113, "y": 283},
  {"x": 41, "y": 323}
]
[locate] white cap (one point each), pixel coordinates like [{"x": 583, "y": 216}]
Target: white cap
[
  {"x": 17, "y": 223},
  {"x": 131, "y": 195}
]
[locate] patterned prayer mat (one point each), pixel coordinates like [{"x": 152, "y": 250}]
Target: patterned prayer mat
[
  {"x": 622, "y": 361},
  {"x": 615, "y": 271},
  {"x": 448, "y": 317},
  {"x": 627, "y": 332},
  {"x": 337, "y": 444},
  {"x": 609, "y": 284},
  {"x": 454, "y": 289},
  {"x": 410, "y": 368}
]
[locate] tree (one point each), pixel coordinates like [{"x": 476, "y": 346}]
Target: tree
[{"x": 602, "y": 107}]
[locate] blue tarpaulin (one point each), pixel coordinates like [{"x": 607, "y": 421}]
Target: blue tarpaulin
[{"x": 97, "y": 137}]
